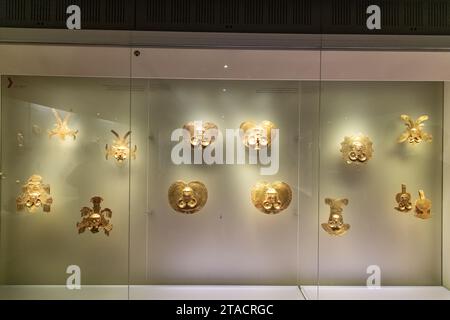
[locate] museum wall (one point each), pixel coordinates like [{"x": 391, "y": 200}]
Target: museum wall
[
  {"x": 446, "y": 190},
  {"x": 407, "y": 249}
]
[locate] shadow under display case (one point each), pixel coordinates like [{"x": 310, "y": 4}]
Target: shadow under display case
[{"x": 157, "y": 173}]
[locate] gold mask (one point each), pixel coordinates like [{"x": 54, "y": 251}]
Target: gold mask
[
  {"x": 187, "y": 197},
  {"x": 335, "y": 225},
  {"x": 62, "y": 127},
  {"x": 423, "y": 206},
  {"x": 95, "y": 219},
  {"x": 356, "y": 149},
  {"x": 34, "y": 195},
  {"x": 120, "y": 149},
  {"x": 404, "y": 200},
  {"x": 201, "y": 134},
  {"x": 271, "y": 198},
  {"x": 414, "y": 130},
  {"x": 256, "y": 136}
]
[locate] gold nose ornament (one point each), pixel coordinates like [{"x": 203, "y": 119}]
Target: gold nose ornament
[
  {"x": 121, "y": 148},
  {"x": 201, "y": 134},
  {"x": 95, "y": 219},
  {"x": 35, "y": 194},
  {"x": 187, "y": 197},
  {"x": 403, "y": 200},
  {"x": 414, "y": 130},
  {"x": 256, "y": 136},
  {"x": 423, "y": 206},
  {"x": 356, "y": 149},
  {"x": 271, "y": 198},
  {"x": 62, "y": 127},
  {"x": 335, "y": 225}
]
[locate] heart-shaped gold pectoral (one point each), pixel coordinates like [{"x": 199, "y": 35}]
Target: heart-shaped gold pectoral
[
  {"x": 187, "y": 197},
  {"x": 201, "y": 133},
  {"x": 423, "y": 206},
  {"x": 257, "y": 135},
  {"x": 271, "y": 198}
]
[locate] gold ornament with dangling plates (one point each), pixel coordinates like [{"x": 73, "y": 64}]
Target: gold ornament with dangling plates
[
  {"x": 187, "y": 197},
  {"x": 271, "y": 198},
  {"x": 35, "y": 194},
  {"x": 121, "y": 148},
  {"x": 62, "y": 127},
  {"x": 414, "y": 133},
  {"x": 95, "y": 219},
  {"x": 403, "y": 200},
  {"x": 256, "y": 136},
  {"x": 356, "y": 149},
  {"x": 201, "y": 134},
  {"x": 335, "y": 225}
]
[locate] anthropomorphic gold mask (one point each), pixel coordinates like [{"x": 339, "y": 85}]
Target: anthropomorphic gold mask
[
  {"x": 335, "y": 225},
  {"x": 34, "y": 195},
  {"x": 356, "y": 149}
]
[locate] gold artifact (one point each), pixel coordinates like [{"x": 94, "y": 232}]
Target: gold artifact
[
  {"x": 34, "y": 195},
  {"x": 271, "y": 198},
  {"x": 121, "y": 148},
  {"x": 62, "y": 127},
  {"x": 187, "y": 197},
  {"x": 335, "y": 225},
  {"x": 423, "y": 206},
  {"x": 404, "y": 200},
  {"x": 256, "y": 136},
  {"x": 414, "y": 133},
  {"x": 356, "y": 149},
  {"x": 202, "y": 134},
  {"x": 95, "y": 219}
]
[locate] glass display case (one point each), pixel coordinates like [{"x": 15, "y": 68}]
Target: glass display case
[{"x": 184, "y": 173}]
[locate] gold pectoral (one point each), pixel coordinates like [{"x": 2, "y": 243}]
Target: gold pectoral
[
  {"x": 62, "y": 127},
  {"x": 201, "y": 134},
  {"x": 35, "y": 194},
  {"x": 403, "y": 200},
  {"x": 187, "y": 197},
  {"x": 257, "y": 136},
  {"x": 423, "y": 206},
  {"x": 335, "y": 225},
  {"x": 121, "y": 148},
  {"x": 271, "y": 198},
  {"x": 95, "y": 219},
  {"x": 414, "y": 130},
  {"x": 356, "y": 149}
]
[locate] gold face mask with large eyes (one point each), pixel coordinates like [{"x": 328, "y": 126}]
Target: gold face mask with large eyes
[
  {"x": 335, "y": 225},
  {"x": 34, "y": 195},
  {"x": 187, "y": 197},
  {"x": 201, "y": 134},
  {"x": 356, "y": 149},
  {"x": 257, "y": 136},
  {"x": 423, "y": 206},
  {"x": 403, "y": 200},
  {"x": 121, "y": 149},
  {"x": 414, "y": 130},
  {"x": 271, "y": 198},
  {"x": 95, "y": 219},
  {"x": 62, "y": 127}
]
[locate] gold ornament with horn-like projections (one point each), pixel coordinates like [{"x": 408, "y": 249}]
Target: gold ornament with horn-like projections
[
  {"x": 257, "y": 136},
  {"x": 187, "y": 197},
  {"x": 121, "y": 148},
  {"x": 271, "y": 198},
  {"x": 62, "y": 127}
]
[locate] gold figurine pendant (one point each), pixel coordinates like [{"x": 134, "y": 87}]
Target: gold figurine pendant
[
  {"x": 121, "y": 148},
  {"x": 95, "y": 219},
  {"x": 256, "y": 136},
  {"x": 34, "y": 195},
  {"x": 335, "y": 225},
  {"x": 414, "y": 130},
  {"x": 403, "y": 200},
  {"x": 271, "y": 198},
  {"x": 187, "y": 197},
  {"x": 356, "y": 149},
  {"x": 423, "y": 206},
  {"x": 201, "y": 134},
  {"x": 62, "y": 127}
]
